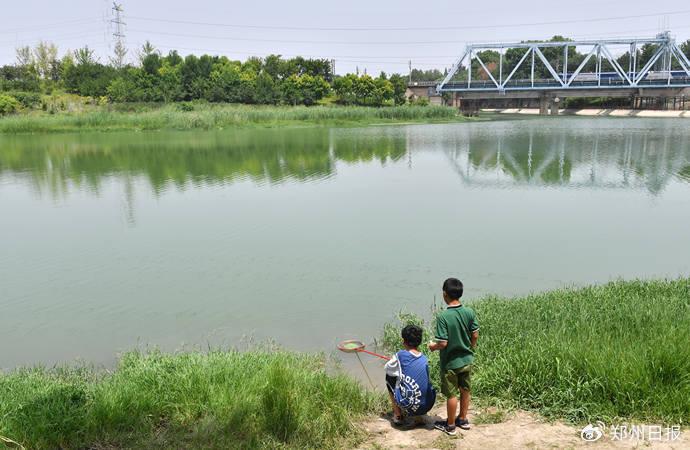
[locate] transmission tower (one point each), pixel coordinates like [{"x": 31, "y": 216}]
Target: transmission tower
[{"x": 120, "y": 51}]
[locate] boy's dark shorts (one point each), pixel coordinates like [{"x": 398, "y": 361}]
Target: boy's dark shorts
[
  {"x": 390, "y": 383},
  {"x": 452, "y": 380}
]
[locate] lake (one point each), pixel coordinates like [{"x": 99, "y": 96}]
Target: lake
[{"x": 308, "y": 236}]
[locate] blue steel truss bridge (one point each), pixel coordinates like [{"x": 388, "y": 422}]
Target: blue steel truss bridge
[{"x": 543, "y": 70}]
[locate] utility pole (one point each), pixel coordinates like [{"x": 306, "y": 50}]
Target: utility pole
[
  {"x": 120, "y": 51},
  {"x": 410, "y": 72}
]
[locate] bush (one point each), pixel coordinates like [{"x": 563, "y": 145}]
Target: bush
[
  {"x": 8, "y": 104},
  {"x": 27, "y": 99},
  {"x": 185, "y": 106}
]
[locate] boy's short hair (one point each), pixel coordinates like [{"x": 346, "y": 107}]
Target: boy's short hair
[
  {"x": 412, "y": 335},
  {"x": 453, "y": 287}
]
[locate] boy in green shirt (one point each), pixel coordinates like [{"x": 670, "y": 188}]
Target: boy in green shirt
[{"x": 457, "y": 331}]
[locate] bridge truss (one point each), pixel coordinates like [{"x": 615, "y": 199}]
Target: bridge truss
[{"x": 666, "y": 53}]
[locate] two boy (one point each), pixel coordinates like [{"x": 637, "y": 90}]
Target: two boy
[{"x": 457, "y": 331}]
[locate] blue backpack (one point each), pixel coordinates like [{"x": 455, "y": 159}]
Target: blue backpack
[{"x": 414, "y": 392}]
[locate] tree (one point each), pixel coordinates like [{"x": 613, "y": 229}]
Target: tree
[
  {"x": 685, "y": 47},
  {"x": 364, "y": 90},
  {"x": 16, "y": 78},
  {"x": 313, "y": 88},
  {"x": 146, "y": 49},
  {"x": 87, "y": 76},
  {"x": 84, "y": 56},
  {"x": 291, "y": 91},
  {"x": 151, "y": 63},
  {"x": 426, "y": 75},
  {"x": 399, "y": 84},
  {"x": 122, "y": 89},
  {"x": 225, "y": 83},
  {"x": 45, "y": 55},
  {"x": 119, "y": 55},
  {"x": 24, "y": 56},
  {"x": 267, "y": 91},
  {"x": 169, "y": 82}
]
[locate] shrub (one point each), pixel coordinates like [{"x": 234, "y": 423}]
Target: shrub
[
  {"x": 27, "y": 99},
  {"x": 8, "y": 104},
  {"x": 185, "y": 106}
]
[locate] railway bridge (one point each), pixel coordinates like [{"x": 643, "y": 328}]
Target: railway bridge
[{"x": 655, "y": 67}]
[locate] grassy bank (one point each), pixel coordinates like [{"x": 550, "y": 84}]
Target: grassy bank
[
  {"x": 614, "y": 351},
  {"x": 217, "y": 116},
  {"x": 257, "y": 399},
  {"x": 618, "y": 351}
]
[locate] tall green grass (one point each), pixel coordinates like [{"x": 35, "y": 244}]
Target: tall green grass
[
  {"x": 621, "y": 350},
  {"x": 255, "y": 399},
  {"x": 215, "y": 116}
]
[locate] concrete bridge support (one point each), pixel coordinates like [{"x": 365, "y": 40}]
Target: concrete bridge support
[
  {"x": 544, "y": 106},
  {"x": 554, "y": 106},
  {"x": 548, "y": 105}
]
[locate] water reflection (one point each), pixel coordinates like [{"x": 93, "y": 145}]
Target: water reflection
[
  {"x": 632, "y": 158},
  {"x": 167, "y": 238},
  {"x": 182, "y": 159},
  {"x": 606, "y": 154}
]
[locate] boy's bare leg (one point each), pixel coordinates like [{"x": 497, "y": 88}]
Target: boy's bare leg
[
  {"x": 397, "y": 412},
  {"x": 464, "y": 403},
  {"x": 451, "y": 409}
]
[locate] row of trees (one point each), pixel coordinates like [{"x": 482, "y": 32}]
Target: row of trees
[{"x": 171, "y": 78}]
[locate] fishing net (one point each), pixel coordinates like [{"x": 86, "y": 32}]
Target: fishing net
[{"x": 351, "y": 346}]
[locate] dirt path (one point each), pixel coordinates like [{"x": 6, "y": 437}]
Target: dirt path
[{"x": 516, "y": 430}]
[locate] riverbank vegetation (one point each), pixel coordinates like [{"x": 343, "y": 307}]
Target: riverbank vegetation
[
  {"x": 598, "y": 353},
  {"x": 207, "y": 116},
  {"x": 154, "y": 77},
  {"x": 612, "y": 352},
  {"x": 255, "y": 399}
]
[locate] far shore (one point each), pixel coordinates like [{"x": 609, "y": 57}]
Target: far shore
[
  {"x": 646, "y": 113},
  {"x": 218, "y": 116}
]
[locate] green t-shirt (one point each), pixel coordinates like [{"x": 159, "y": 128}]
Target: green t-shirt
[{"x": 456, "y": 325}]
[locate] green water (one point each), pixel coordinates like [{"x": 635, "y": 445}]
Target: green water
[{"x": 311, "y": 236}]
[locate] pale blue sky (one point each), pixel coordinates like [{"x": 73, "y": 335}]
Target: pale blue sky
[{"x": 77, "y": 22}]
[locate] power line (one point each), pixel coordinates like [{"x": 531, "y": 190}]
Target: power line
[
  {"x": 263, "y": 55},
  {"x": 435, "y": 28},
  {"x": 70, "y": 36},
  {"x": 290, "y": 41},
  {"x": 47, "y": 26},
  {"x": 299, "y": 41}
]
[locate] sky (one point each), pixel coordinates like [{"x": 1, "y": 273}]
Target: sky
[{"x": 359, "y": 34}]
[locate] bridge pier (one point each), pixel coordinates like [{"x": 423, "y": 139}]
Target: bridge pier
[
  {"x": 554, "y": 106},
  {"x": 548, "y": 105},
  {"x": 543, "y": 106}
]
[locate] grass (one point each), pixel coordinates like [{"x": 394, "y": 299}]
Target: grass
[
  {"x": 218, "y": 116},
  {"x": 597, "y": 353},
  {"x": 255, "y": 399},
  {"x": 617, "y": 351}
]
